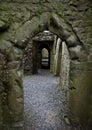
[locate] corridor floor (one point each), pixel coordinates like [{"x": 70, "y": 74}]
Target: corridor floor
[{"x": 44, "y": 102}]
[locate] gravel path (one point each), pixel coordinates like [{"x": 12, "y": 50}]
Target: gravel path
[{"x": 44, "y": 102}]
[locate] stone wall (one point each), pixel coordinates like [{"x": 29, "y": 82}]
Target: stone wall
[
  {"x": 2, "y": 62},
  {"x": 80, "y": 97},
  {"x": 28, "y": 59},
  {"x": 71, "y": 20}
]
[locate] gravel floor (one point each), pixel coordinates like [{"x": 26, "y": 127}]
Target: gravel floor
[{"x": 44, "y": 102}]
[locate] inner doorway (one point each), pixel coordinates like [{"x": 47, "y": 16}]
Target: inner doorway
[{"x": 45, "y": 59}]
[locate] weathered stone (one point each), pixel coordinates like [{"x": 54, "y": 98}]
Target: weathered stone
[
  {"x": 28, "y": 59},
  {"x": 11, "y": 52},
  {"x": 29, "y": 29},
  {"x": 58, "y": 25},
  {"x": 1, "y": 106},
  {"x": 15, "y": 54},
  {"x": 57, "y": 58},
  {"x": 71, "y": 20},
  {"x": 85, "y": 66},
  {"x": 77, "y": 52},
  {"x": 2, "y": 62},
  {"x": 3, "y": 25},
  {"x": 65, "y": 68},
  {"x": 14, "y": 65},
  {"x": 72, "y": 40},
  {"x": 80, "y": 99},
  {"x": 14, "y": 97},
  {"x": 90, "y": 55},
  {"x": 1, "y": 114},
  {"x": 44, "y": 36},
  {"x": 5, "y": 46}
]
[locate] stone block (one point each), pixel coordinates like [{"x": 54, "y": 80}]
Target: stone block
[
  {"x": 14, "y": 97},
  {"x": 3, "y": 25},
  {"x": 15, "y": 54},
  {"x": 80, "y": 94},
  {"x": 5, "y": 46},
  {"x": 72, "y": 40},
  {"x": 77, "y": 52},
  {"x": 14, "y": 65}
]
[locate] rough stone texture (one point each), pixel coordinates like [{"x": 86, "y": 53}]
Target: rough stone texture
[
  {"x": 57, "y": 57},
  {"x": 53, "y": 51},
  {"x": 2, "y": 62},
  {"x": 80, "y": 92},
  {"x": 12, "y": 94},
  {"x": 28, "y": 59},
  {"x": 72, "y": 11},
  {"x": 65, "y": 67},
  {"x": 44, "y": 36},
  {"x": 20, "y": 20}
]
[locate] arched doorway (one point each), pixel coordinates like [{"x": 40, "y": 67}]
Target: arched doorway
[{"x": 45, "y": 60}]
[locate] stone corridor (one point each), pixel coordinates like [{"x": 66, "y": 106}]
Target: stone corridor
[
  {"x": 64, "y": 28},
  {"x": 44, "y": 102}
]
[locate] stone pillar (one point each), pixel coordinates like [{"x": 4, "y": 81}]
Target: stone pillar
[
  {"x": 80, "y": 97},
  {"x": 65, "y": 67},
  {"x": 14, "y": 73},
  {"x": 13, "y": 101},
  {"x": 56, "y": 58},
  {"x": 53, "y": 51}
]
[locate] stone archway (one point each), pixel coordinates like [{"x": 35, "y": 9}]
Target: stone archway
[{"x": 13, "y": 73}]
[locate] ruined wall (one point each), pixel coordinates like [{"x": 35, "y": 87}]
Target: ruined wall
[
  {"x": 28, "y": 59},
  {"x": 13, "y": 15}
]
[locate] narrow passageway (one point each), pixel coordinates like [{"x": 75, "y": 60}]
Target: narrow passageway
[{"x": 44, "y": 102}]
